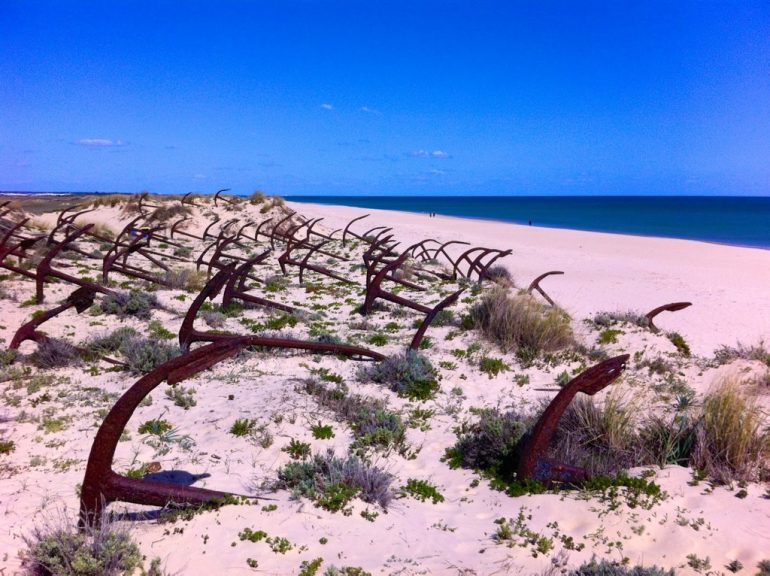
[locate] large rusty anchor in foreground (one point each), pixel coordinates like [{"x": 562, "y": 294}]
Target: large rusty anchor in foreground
[
  {"x": 101, "y": 484},
  {"x": 534, "y": 465}
]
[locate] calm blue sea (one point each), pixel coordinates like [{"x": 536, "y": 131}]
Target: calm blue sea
[{"x": 730, "y": 220}]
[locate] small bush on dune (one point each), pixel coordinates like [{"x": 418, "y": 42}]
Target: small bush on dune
[
  {"x": 732, "y": 442},
  {"x": 758, "y": 352},
  {"x": 110, "y": 200},
  {"x": 598, "y": 437},
  {"x": 492, "y": 443},
  {"x": 188, "y": 279},
  {"x": 145, "y": 354},
  {"x": 55, "y": 353},
  {"x": 607, "y": 319},
  {"x": 332, "y": 482},
  {"x": 521, "y": 323},
  {"x": 167, "y": 212},
  {"x": 606, "y": 568},
  {"x": 110, "y": 343},
  {"x": 499, "y": 274},
  {"x": 409, "y": 374},
  {"x": 133, "y": 303},
  {"x": 257, "y": 197},
  {"x": 373, "y": 425},
  {"x": 63, "y": 550},
  {"x": 8, "y": 356}
]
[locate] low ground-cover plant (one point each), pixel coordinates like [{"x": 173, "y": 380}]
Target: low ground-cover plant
[
  {"x": 60, "y": 548},
  {"x": 374, "y": 427},
  {"x": 55, "y": 353},
  {"x": 331, "y": 482},
  {"x": 133, "y": 303},
  {"x": 758, "y": 352},
  {"x": 520, "y": 323},
  {"x": 145, "y": 354},
  {"x": 607, "y": 568},
  {"x": 409, "y": 374},
  {"x": 607, "y": 319},
  {"x": 421, "y": 490}
]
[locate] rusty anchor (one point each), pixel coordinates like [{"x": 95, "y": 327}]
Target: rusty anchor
[
  {"x": 45, "y": 269},
  {"x": 189, "y": 335},
  {"x": 673, "y": 307},
  {"x": 286, "y": 259},
  {"x": 533, "y": 464},
  {"x": 535, "y": 285},
  {"x": 81, "y": 299}
]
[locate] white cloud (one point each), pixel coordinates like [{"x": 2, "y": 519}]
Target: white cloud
[
  {"x": 429, "y": 154},
  {"x": 327, "y": 106},
  {"x": 368, "y": 110},
  {"x": 199, "y": 176},
  {"x": 99, "y": 142}
]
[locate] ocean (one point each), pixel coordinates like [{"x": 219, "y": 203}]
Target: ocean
[{"x": 742, "y": 221}]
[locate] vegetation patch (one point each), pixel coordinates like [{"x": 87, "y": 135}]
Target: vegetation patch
[
  {"x": 520, "y": 323},
  {"x": 332, "y": 482},
  {"x": 409, "y": 374}
]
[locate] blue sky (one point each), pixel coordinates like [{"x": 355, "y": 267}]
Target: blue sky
[{"x": 325, "y": 97}]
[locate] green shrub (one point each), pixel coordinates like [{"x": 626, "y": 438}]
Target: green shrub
[
  {"x": 409, "y": 374},
  {"x": 322, "y": 432},
  {"x": 182, "y": 397},
  {"x": 8, "y": 356},
  {"x": 332, "y": 482},
  {"x": 607, "y": 568},
  {"x": 65, "y": 551},
  {"x": 374, "y": 427},
  {"x": 491, "y": 444},
  {"x": 188, "y": 279},
  {"x": 679, "y": 342},
  {"x": 492, "y": 366},
  {"x": 133, "y": 303},
  {"x": 7, "y": 446},
  {"x": 257, "y": 197},
  {"x": 421, "y": 490},
  {"x": 297, "y": 449},
  {"x": 143, "y": 355},
  {"x": 521, "y": 323},
  {"x": 157, "y": 427},
  {"x": 110, "y": 343},
  {"x": 609, "y": 336},
  {"x": 242, "y": 427}
]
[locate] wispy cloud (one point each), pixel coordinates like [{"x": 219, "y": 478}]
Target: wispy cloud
[
  {"x": 99, "y": 142},
  {"x": 327, "y": 106},
  {"x": 430, "y": 154},
  {"x": 367, "y": 110},
  {"x": 200, "y": 176}
]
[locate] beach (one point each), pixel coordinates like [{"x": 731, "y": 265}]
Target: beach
[
  {"x": 604, "y": 272},
  {"x": 693, "y": 526}
]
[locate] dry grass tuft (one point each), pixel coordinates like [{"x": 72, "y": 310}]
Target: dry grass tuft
[
  {"x": 521, "y": 323},
  {"x": 732, "y": 440}
]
